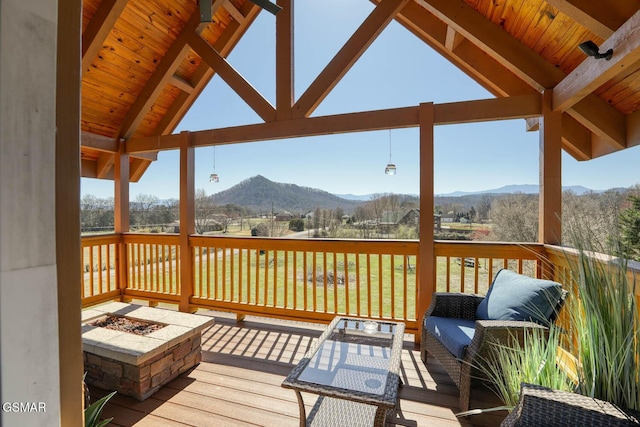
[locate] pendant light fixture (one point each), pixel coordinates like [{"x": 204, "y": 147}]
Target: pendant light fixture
[
  {"x": 391, "y": 167},
  {"x": 214, "y": 176}
]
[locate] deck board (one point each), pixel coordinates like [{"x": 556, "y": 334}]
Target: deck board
[{"x": 243, "y": 365}]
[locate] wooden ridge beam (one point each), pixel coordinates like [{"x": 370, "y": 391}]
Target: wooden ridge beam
[
  {"x": 347, "y": 56},
  {"x": 99, "y": 28},
  {"x": 592, "y": 73},
  {"x": 161, "y": 76},
  {"x": 395, "y": 118},
  {"x": 233, "y": 78}
]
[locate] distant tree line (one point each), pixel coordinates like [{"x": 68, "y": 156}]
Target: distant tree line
[{"x": 611, "y": 217}]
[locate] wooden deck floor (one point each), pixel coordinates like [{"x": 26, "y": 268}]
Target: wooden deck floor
[{"x": 243, "y": 364}]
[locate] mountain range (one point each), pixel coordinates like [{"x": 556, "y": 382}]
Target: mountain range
[{"x": 262, "y": 195}]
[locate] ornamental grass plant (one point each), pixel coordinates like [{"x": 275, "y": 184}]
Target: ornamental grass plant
[
  {"x": 605, "y": 326},
  {"x": 603, "y": 334}
]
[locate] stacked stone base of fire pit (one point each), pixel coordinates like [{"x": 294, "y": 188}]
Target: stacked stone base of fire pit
[{"x": 137, "y": 365}]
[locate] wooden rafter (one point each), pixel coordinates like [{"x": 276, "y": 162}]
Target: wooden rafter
[
  {"x": 527, "y": 65},
  {"x": 233, "y": 11},
  {"x": 104, "y": 165},
  {"x": 233, "y": 78},
  {"x": 452, "y": 39},
  {"x": 488, "y": 72},
  {"x": 159, "y": 79},
  {"x": 347, "y": 56},
  {"x": 99, "y": 28},
  {"x": 592, "y": 73},
  {"x": 204, "y": 73},
  {"x": 602, "y": 21}
]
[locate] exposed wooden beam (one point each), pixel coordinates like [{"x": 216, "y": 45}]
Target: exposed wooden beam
[
  {"x": 181, "y": 84},
  {"x": 99, "y": 142},
  {"x": 457, "y": 112},
  {"x": 161, "y": 76},
  {"x": 104, "y": 164},
  {"x": 593, "y": 73},
  {"x": 137, "y": 168},
  {"x": 347, "y": 56},
  {"x": 602, "y": 19},
  {"x": 576, "y": 139},
  {"x": 488, "y": 72},
  {"x": 452, "y": 39},
  {"x": 284, "y": 60},
  {"x": 233, "y": 78},
  {"x": 605, "y": 122},
  {"x": 633, "y": 129},
  {"x": 503, "y": 47},
  {"x": 515, "y": 107},
  {"x": 99, "y": 28},
  {"x": 522, "y": 61},
  {"x": 233, "y": 11},
  {"x": 225, "y": 43},
  {"x": 324, "y": 125}
]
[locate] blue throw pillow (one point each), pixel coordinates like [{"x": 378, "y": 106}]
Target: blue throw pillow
[{"x": 513, "y": 296}]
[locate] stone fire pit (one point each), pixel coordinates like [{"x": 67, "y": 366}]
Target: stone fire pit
[{"x": 138, "y": 365}]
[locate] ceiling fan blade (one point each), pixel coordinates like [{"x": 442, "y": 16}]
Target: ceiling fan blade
[{"x": 267, "y": 5}]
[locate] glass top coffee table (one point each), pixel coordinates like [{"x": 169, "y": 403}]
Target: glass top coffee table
[{"x": 354, "y": 367}]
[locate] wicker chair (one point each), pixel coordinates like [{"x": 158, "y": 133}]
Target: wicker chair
[
  {"x": 541, "y": 406},
  {"x": 464, "y": 371}
]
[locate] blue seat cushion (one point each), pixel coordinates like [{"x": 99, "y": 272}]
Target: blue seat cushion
[
  {"x": 513, "y": 296},
  {"x": 454, "y": 334}
]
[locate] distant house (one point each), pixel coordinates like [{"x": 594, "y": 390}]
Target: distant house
[
  {"x": 412, "y": 218},
  {"x": 284, "y": 216}
]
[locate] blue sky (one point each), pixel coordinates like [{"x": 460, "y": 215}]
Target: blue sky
[{"x": 397, "y": 70}]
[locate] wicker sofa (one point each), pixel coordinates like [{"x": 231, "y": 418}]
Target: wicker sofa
[
  {"x": 459, "y": 329},
  {"x": 541, "y": 406}
]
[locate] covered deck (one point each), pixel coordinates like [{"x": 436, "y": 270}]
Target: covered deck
[
  {"x": 243, "y": 363},
  {"x": 96, "y": 88}
]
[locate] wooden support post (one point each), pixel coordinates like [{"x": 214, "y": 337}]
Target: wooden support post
[
  {"x": 550, "y": 202},
  {"x": 121, "y": 215},
  {"x": 284, "y": 60},
  {"x": 187, "y": 219},
  {"x": 67, "y": 212},
  {"x": 426, "y": 253}
]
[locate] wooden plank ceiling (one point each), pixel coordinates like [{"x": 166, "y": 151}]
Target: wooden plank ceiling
[{"x": 145, "y": 62}]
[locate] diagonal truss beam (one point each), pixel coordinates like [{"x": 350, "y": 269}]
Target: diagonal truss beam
[
  {"x": 234, "y": 79},
  {"x": 526, "y": 64},
  {"x": 592, "y": 73},
  {"x": 484, "y": 69},
  {"x": 347, "y": 56},
  {"x": 99, "y": 28},
  {"x": 161, "y": 76},
  {"x": 203, "y": 74}
]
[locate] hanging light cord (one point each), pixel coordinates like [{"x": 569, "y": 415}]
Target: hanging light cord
[{"x": 389, "y": 145}]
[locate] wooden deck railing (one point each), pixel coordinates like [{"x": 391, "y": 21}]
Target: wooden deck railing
[
  {"x": 153, "y": 266},
  {"x": 304, "y": 279},
  {"x": 99, "y": 269},
  {"x": 469, "y": 267}
]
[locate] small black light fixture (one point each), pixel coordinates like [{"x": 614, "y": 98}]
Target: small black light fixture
[
  {"x": 591, "y": 49},
  {"x": 267, "y": 5}
]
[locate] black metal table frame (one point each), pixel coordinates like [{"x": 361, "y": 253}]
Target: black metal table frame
[{"x": 385, "y": 403}]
